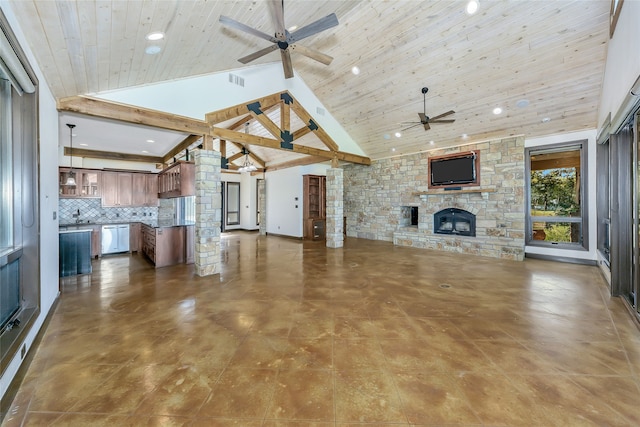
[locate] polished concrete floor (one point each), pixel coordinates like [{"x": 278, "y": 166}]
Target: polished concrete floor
[{"x": 294, "y": 334}]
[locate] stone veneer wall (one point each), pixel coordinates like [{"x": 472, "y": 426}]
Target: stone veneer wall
[
  {"x": 208, "y": 212},
  {"x": 334, "y": 208},
  {"x": 375, "y": 196}
]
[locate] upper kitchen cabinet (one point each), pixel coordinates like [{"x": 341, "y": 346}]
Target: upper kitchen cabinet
[
  {"x": 117, "y": 189},
  {"x": 177, "y": 180},
  {"x": 87, "y": 182},
  {"x": 145, "y": 189}
]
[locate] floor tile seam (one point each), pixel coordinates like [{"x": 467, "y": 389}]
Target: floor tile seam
[{"x": 597, "y": 398}]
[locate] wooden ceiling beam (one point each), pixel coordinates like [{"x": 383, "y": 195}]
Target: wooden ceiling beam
[
  {"x": 131, "y": 114},
  {"x": 268, "y": 124},
  {"x": 219, "y": 116},
  {"x": 183, "y": 145},
  {"x": 307, "y": 160},
  {"x": 244, "y": 138},
  {"x": 320, "y": 133},
  {"x": 109, "y": 155}
]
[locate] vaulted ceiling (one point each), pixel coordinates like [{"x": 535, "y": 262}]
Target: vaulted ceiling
[{"x": 542, "y": 62}]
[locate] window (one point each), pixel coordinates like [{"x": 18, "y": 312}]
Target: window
[
  {"x": 185, "y": 209},
  {"x": 557, "y": 198},
  {"x": 233, "y": 203},
  {"x": 6, "y": 167}
]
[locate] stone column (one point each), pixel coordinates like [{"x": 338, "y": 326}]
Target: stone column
[
  {"x": 208, "y": 212},
  {"x": 262, "y": 207},
  {"x": 335, "y": 208}
]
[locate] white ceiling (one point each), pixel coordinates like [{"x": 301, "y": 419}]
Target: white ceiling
[{"x": 550, "y": 53}]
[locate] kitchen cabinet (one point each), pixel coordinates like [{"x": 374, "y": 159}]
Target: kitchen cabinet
[
  {"x": 189, "y": 244},
  {"x": 117, "y": 189},
  {"x": 144, "y": 189},
  {"x": 177, "y": 180},
  {"x": 314, "y": 206},
  {"x": 164, "y": 245},
  {"x": 135, "y": 236},
  {"x": 87, "y": 182}
]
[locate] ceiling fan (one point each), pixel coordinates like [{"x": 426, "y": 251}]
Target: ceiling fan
[
  {"x": 283, "y": 39},
  {"x": 426, "y": 120}
]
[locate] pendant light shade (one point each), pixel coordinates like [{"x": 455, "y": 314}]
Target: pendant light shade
[{"x": 71, "y": 176}]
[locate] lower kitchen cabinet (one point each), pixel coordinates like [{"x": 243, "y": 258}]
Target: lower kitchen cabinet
[
  {"x": 135, "y": 236},
  {"x": 164, "y": 245}
]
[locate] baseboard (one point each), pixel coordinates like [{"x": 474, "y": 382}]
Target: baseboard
[{"x": 285, "y": 236}]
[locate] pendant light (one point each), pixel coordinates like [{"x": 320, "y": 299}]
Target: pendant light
[
  {"x": 71, "y": 177},
  {"x": 247, "y": 166}
]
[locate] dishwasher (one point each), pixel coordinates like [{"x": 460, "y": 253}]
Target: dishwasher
[{"x": 115, "y": 238}]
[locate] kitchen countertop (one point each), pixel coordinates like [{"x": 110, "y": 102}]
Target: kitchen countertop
[{"x": 153, "y": 224}]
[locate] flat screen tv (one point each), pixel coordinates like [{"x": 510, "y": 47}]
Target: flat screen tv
[{"x": 456, "y": 170}]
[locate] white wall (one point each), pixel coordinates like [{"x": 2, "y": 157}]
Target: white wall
[
  {"x": 623, "y": 61},
  {"x": 284, "y": 199},
  {"x": 590, "y": 136},
  {"x": 48, "y": 200}
]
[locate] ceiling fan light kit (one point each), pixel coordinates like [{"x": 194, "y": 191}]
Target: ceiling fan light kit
[{"x": 285, "y": 40}]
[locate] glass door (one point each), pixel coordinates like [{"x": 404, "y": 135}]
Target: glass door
[{"x": 632, "y": 293}]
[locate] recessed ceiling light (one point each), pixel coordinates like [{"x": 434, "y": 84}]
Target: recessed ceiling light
[
  {"x": 355, "y": 70},
  {"x": 156, "y": 35},
  {"x": 472, "y": 7},
  {"x": 465, "y": 136},
  {"x": 431, "y": 142},
  {"x": 150, "y": 140},
  {"x": 398, "y": 134},
  {"x": 546, "y": 120},
  {"x": 85, "y": 145},
  {"x": 393, "y": 149},
  {"x": 144, "y": 151},
  {"x": 497, "y": 111},
  {"x": 522, "y": 103},
  {"x": 152, "y": 50}
]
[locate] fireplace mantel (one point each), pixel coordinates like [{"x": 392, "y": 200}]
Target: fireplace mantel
[{"x": 452, "y": 192}]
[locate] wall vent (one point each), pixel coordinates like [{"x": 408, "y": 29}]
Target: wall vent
[
  {"x": 236, "y": 80},
  {"x": 320, "y": 111}
]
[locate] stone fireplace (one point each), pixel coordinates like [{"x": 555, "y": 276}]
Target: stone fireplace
[{"x": 454, "y": 221}]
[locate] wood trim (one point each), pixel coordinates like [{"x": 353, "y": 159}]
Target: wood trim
[
  {"x": 131, "y": 114},
  {"x": 268, "y": 124},
  {"x": 319, "y": 132},
  {"x": 96, "y": 154}
]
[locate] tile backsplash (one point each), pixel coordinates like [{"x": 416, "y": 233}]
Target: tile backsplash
[{"x": 91, "y": 210}]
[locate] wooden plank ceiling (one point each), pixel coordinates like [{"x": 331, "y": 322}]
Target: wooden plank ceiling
[{"x": 548, "y": 55}]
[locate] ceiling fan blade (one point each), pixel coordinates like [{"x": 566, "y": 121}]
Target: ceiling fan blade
[
  {"x": 277, "y": 9},
  {"x": 286, "y": 63},
  {"x": 426, "y": 126},
  {"x": 312, "y": 53},
  {"x": 442, "y": 121},
  {"x": 258, "y": 54},
  {"x": 441, "y": 115},
  {"x": 423, "y": 118},
  {"x": 412, "y": 126},
  {"x": 313, "y": 28},
  {"x": 225, "y": 20}
]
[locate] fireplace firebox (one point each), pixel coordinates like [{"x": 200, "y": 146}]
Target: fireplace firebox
[{"x": 454, "y": 221}]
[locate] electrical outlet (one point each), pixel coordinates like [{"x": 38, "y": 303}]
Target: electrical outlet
[{"x": 55, "y": 215}]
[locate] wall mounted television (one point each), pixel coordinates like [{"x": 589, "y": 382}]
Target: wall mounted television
[{"x": 455, "y": 170}]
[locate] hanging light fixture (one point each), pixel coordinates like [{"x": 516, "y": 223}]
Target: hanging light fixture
[
  {"x": 71, "y": 177},
  {"x": 247, "y": 166}
]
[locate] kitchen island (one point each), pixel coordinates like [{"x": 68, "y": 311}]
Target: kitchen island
[{"x": 168, "y": 243}]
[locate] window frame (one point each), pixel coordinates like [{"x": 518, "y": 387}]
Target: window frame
[{"x": 583, "y": 218}]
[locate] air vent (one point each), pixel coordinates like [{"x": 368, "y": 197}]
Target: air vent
[
  {"x": 320, "y": 111},
  {"x": 236, "y": 80}
]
